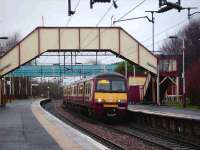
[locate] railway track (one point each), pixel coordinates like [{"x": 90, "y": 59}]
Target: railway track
[
  {"x": 164, "y": 142},
  {"x": 111, "y": 135},
  {"x": 52, "y": 109}
]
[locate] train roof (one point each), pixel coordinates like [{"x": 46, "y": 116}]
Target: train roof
[{"x": 98, "y": 75}]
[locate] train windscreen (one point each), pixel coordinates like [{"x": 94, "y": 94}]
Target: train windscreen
[{"x": 110, "y": 85}]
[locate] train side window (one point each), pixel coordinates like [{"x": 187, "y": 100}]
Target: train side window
[
  {"x": 88, "y": 88},
  {"x": 70, "y": 91},
  {"x": 80, "y": 89},
  {"x": 75, "y": 90},
  {"x": 85, "y": 89}
]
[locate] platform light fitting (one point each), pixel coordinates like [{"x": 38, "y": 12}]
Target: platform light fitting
[
  {"x": 103, "y": 1},
  {"x": 4, "y": 38},
  {"x": 98, "y": 1},
  {"x": 166, "y": 6},
  {"x": 71, "y": 12},
  {"x": 164, "y": 2},
  {"x": 175, "y": 5},
  {"x": 115, "y": 4},
  {"x": 164, "y": 9}
]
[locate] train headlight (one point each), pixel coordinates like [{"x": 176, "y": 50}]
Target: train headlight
[
  {"x": 121, "y": 101},
  {"x": 99, "y": 100}
]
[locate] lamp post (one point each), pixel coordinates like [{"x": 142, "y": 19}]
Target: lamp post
[{"x": 183, "y": 62}]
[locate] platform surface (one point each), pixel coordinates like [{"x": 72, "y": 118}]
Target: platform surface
[
  {"x": 25, "y": 125},
  {"x": 67, "y": 137},
  {"x": 20, "y": 130},
  {"x": 166, "y": 111}
]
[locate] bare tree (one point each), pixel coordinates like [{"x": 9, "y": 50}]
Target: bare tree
[
  {"x": 12, "y": 40},
  {"x": 191, "y": 35}
]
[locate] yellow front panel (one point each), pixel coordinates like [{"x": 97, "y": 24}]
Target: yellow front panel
[
  {"x": 110, "y": 105},
  {"x": 110, "y": 97}
]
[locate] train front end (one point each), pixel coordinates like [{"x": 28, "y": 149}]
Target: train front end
[{"x": 110, "y": 95}]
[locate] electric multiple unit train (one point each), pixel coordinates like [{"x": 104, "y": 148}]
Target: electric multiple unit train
[{"x": 104, "y": 94}]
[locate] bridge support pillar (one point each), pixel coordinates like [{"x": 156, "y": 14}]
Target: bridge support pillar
[
  {"x": 153, "y": 90},
  {"x": 158, "y": 89},
  {"x": 2, "y": 91}
]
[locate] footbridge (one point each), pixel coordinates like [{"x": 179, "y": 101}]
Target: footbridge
[{"x": 44, "y": 39}]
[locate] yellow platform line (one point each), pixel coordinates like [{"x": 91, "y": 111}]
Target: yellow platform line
[{"x": 57, "y": 130}]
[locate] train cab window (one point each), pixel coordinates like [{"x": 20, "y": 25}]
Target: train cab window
[
  {"x": 103, "y": 85},
  {"x": 118, "y": 86},
  {"x": 111, "y": 85}
]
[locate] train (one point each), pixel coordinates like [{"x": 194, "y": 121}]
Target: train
[{"x": 105, "y": 94}]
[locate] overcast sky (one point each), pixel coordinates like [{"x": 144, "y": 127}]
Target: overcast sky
[{"x": 23, "y": 16}]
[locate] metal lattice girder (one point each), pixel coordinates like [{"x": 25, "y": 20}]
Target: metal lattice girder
[{"x": 113, "y": 39}]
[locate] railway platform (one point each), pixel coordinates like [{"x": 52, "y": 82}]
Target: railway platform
[
  {"x": 25, "y": 125},
  {"x": 166, "y": 111},
  {"x": 174, "y": 123}
]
